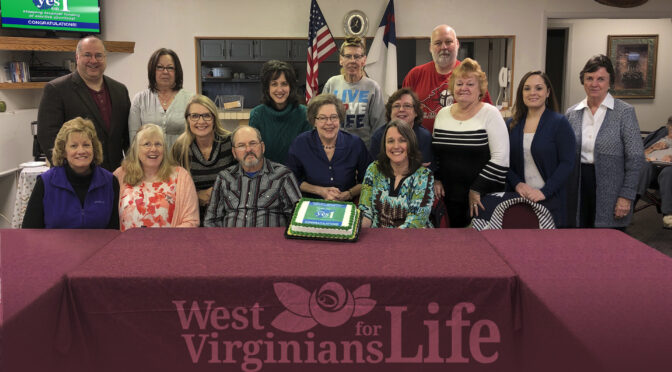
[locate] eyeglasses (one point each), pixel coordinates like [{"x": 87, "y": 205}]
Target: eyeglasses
[
  {"x": 89, "y": 56},
  {"x": 194, "y": 116},
  {"x": 149, "y": 145},
  {"x": 165, "y": 68},
  {"x": 356, "y": 57},
  {"x": 324, "y": 119},
  {"x": 406, "y": 106},
  {"x": 243, "y": 146}
]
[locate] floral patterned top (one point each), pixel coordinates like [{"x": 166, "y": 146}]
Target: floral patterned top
[
  {"x": 407, "y": 206},
  {"x": 147, "y": 204}
]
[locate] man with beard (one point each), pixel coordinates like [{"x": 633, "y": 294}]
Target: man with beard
[
  {"x": 87, "y": 93},
  {"x": 256, "y": 192},
  {"x": 430, "y": 81}
]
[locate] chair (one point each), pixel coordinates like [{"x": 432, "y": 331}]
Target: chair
[{"x": 510, "y": 211}]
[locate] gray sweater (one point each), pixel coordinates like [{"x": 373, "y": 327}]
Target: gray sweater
[
  {"x": 364, "y": 106},
  {"x": 619, "y": 155}
]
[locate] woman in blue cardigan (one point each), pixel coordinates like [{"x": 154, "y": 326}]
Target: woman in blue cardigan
[{"x": 542, "y": 146}]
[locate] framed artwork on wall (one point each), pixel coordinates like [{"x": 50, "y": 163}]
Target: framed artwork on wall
[{"x": 634, "y": 58}]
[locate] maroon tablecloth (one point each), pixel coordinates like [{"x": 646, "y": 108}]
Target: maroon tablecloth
[
  {"x": 234, "y": 299},
  {"x": 32, "y": 266},
  {"x": 591, "y": 300}
]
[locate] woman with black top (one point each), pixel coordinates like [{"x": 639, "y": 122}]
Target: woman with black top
[{"x": 76, "y": 193}]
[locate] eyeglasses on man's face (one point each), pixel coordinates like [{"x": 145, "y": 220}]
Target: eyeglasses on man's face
[
  {"x": 243, "y": 146},
  {"x": 206, "y": 117},
  {"x": 323, "y": 119},
  {"x": 96, "y": 56}
]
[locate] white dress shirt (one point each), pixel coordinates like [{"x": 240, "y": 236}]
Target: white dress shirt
[{"x": 590, "y": 126}]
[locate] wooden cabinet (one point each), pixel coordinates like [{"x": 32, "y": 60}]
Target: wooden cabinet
[{"x": 52, "y": 45}]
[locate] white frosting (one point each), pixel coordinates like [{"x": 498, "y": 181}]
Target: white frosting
[{"x": 301, "y": 214}]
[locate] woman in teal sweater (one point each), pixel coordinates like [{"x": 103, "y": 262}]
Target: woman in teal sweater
[{"x": 280, "y": 117}]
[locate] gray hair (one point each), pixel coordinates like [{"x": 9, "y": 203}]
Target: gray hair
[{"x": 235, "y": 131}]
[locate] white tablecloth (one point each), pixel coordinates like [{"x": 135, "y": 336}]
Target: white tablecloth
[{"x": 27, "y": 180}]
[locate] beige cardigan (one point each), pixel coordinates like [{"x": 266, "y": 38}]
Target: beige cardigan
[{"x": 186, "y": 199}]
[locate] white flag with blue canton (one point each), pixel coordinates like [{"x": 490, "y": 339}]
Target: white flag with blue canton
[{"x": 381, "y": 62}]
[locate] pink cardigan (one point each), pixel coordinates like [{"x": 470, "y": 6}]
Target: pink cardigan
[{"x": 186, "y": 199}]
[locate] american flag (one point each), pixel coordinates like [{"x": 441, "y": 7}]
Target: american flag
[{"x": 320, "y": 46}]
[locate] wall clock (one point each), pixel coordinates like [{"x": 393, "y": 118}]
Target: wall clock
[{"x": 355, "y": 23}]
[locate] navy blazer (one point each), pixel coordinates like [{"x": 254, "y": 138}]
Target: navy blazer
[{"x": 553, "y": 148}]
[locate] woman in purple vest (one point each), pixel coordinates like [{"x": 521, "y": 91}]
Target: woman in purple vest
[{"x": 76, "y": 193}]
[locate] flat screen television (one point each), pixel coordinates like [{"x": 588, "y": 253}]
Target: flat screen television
[{"x": 81, "y": 16}]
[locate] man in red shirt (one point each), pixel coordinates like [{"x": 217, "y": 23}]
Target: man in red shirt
[{"x": 430, "y": 81}]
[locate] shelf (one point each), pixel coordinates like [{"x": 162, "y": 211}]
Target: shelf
[
  {"x": 58, "y": 45},
  {"x": 31, "y": 85},
  {"x": 221, "y": 80}
]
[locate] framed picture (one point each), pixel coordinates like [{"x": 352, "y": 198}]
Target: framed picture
[{"x": 634, "y": 58}]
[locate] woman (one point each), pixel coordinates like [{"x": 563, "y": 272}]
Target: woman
[
  {"x": 76, "y": 193},
  {"x": 164, "y": 101},
  {"x": 397, "y": 190},
  {"x": 609, "y": 152},
  {"x": 471, "y": 146},
  {"x": 154, "y": 191},
  {"x": 204, "y": 149},
  {"x": 542, "y": 146},
  {"x": 362, "y": 96},
  {"x": 328, "y": 163},
  {"x": 280, "y": 117}
]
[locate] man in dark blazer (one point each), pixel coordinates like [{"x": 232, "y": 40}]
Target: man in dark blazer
[{"x": 89, "y": 94}]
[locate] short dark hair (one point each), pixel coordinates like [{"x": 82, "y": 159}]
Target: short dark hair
[
  {"x": 519, "y": 108},
  {"x": 413, "y": 150},
  {"x": 321, "y": 100},
  {"x": 397, "y": 96},
  {"x": 594, "y": 64},
  {"x": 154, "y": 61},
  {"x": 272, "y": 70}
]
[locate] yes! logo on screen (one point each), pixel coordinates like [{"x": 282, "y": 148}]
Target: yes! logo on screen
[{"x": 48, "y": 4}]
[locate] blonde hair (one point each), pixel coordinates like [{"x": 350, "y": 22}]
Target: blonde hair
[
  {"x": 180, "y": 150},
  {"x": 131, "y": 164},
  {"x": 76, "y": 125},
  {"x": 468, "y": 68}
]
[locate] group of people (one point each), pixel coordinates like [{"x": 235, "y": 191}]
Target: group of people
[{"x": 438, "y": 137}]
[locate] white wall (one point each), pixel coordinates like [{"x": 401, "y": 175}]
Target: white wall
[{"x": 589, "y": 37}]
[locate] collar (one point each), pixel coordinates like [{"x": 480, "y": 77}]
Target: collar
[{"x": 608, "y": 102}]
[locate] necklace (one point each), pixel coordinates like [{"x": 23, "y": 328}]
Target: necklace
[
  {"x": 328, "y": 147},
  {"x": 165, "y": 102}
]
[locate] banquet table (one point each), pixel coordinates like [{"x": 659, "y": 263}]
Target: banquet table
[
  {"x": 591, "y": 298},
  {"x": 414, "y": 300},
  {"x": 249, "y": 299}
]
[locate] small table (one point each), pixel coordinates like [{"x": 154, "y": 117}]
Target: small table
[{"x": 27, "y": 180}]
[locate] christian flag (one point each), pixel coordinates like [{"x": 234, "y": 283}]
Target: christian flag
[
  {"x": 381, "y": 63},
  {"x": 320, "y": 46}
]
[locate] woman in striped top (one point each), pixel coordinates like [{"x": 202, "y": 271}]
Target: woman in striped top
[
  {"x": 204, "y": 149},
  {"x": 471, "y": 146}
]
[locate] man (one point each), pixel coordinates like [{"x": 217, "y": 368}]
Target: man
[
  {"x": 659, "y": 150},
  {"x": 405, "y": 106},
  {"x": 89, "y": 94},
  {"x": 430, "y": 81},
  {"x": 254, "y": 193}
]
